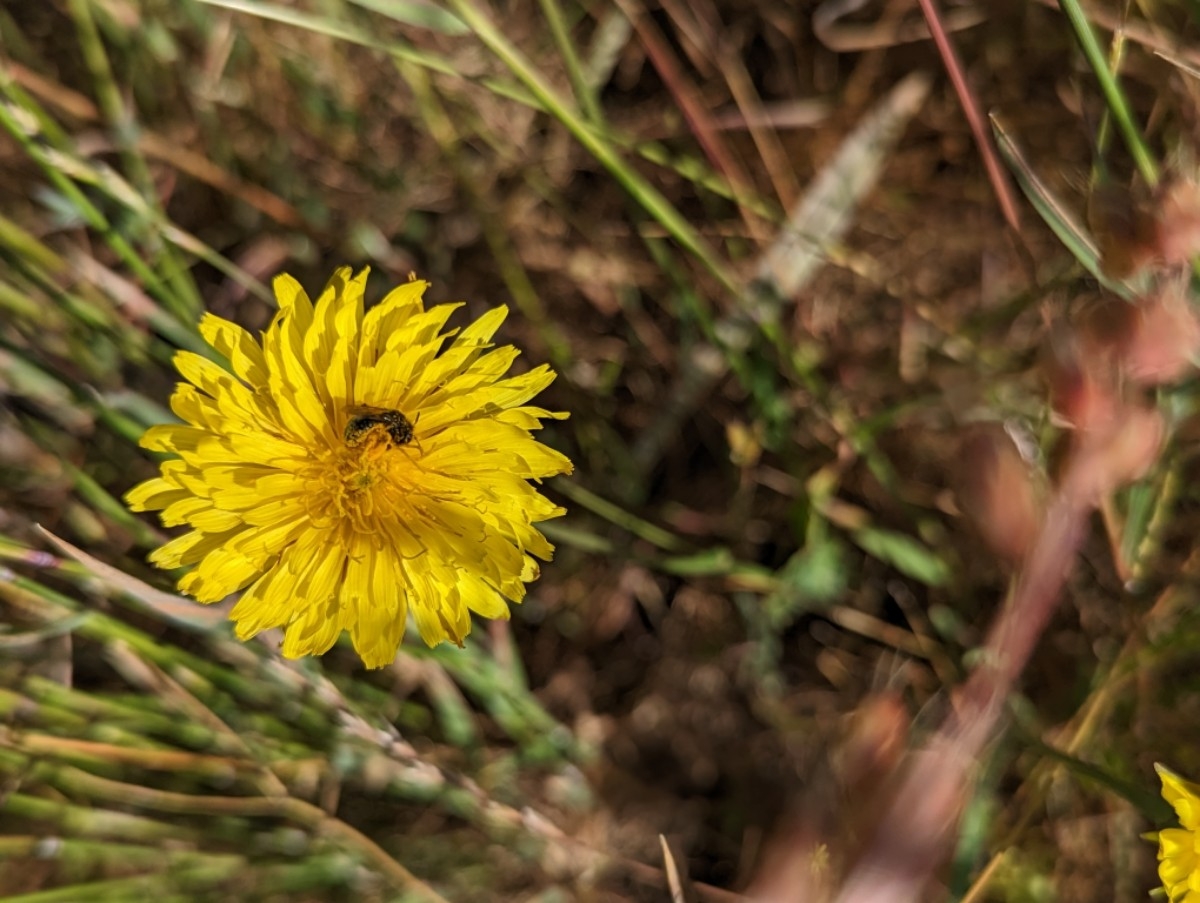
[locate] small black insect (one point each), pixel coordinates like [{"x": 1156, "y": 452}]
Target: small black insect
[{"x": 366, "y": 417}]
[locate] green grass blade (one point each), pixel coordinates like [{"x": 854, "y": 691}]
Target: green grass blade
[
  {"x": 1072, "y": 233},
  {"x": 642, "y": 191},
  {"x": 1111, "y": 88},
  {"x": 419, "y": 14}
]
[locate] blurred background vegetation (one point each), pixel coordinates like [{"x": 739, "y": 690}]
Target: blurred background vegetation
[{"x": 759, "y": 245}]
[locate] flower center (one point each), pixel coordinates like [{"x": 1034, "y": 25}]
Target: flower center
[{"x": 358, "y": 486}]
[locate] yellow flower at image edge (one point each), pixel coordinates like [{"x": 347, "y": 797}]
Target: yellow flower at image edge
[
  {"x": 1178, "y": 860},
  {"x": 354, "y": 468}
]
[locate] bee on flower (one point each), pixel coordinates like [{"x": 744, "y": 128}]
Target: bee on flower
[{"x": 354, "y": 468}]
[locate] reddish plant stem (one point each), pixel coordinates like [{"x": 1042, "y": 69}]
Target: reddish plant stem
[
  {"x": 695, "y": 110},
  {"x": 913, "y": 833},
  {"x": 983, "y": 139}
]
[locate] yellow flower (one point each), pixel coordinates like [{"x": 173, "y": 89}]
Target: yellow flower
[
  {"x": 1178, "y": 861},
  {"x": 353, "y": 469}
]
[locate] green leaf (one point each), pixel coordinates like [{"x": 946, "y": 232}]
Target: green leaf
[
  {"x": 904, "y": 553},
  {"x": 1054, "y": 212},
  {"x": 414, "y": 12},
  {"x": 709, "y": 563},
  {"x": 809, "y": 581},
  {"x": 1141, "y": 501}
]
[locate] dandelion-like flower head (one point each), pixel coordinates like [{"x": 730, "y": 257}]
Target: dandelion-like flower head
[
  {"x": 354, "y": 468},
  {"x": 1179, "y": 848}
]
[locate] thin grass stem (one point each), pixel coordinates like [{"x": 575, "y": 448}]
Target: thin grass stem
[
  {"x": 585, "y": 94},
  {"x": 641, "y": 190}
]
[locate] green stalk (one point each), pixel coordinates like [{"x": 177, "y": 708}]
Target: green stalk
[
  {"x": 155, "y": 887},
  {"x": 15, "y": 707},
  {"x": 91, "y": 707},
  {"x": 617, "y": 515},
  {"x": 82, "y": 855},
  {"x": 91, "y": 821},
  {"x": 1111, "y": 89}
]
